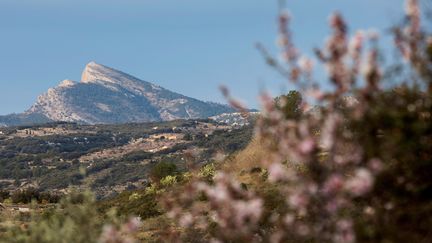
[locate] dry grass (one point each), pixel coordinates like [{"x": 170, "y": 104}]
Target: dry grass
[{"x": 245, "y": 161}]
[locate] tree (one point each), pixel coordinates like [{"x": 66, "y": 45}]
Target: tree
[
  {"x": 162, "y": 170},
  {"x": 290, "y": 104}
]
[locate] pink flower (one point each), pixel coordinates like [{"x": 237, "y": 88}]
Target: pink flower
[
  {"x": 344, "y": 225},
  {"x": 334, "y": 205},
  {"x": 375, "y": 165},
  {"x": 276, "y": 172},
  {"x": 412, "y": 8},
  {"x": 289, "y": 219},
  {"x": 329, "y": 129},
  {"x": 248, "y": 211},
  {"x": 369, "y": 210},
  {"x": 356, "y": 44},
  {"x": 360, "y": 183},
  {"x": 337, "y": 22},
  {"x": 306, "y": 64},
  {"x": 186, "y": 220},
  {"x": 298, "y": 200},
  {"x": 303, "y": 230},
  {"x": 333, "y": 184},
  {"x": 133, "y": 224},
  {"x": 307, "y": 146},
  {"x": 345, "y": 232}
]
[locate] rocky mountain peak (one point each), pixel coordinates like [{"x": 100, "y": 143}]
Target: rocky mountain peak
[
  {"x": 67, "y": 83},
  {"x": 106, "y": 95},
  {"x": 94, "y": 72}
]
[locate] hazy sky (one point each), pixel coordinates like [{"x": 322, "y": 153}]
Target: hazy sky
[{"x": 188, "y": 46}]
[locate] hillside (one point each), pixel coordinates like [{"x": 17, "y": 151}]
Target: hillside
[{"x": 108, "y": 158}]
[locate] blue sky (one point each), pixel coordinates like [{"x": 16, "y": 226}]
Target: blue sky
[{"x": 188, "y": 46}]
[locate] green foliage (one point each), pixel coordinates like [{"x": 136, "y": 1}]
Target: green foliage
[
  {"x": 168, "y": 181},
  {"x": 137, "y": 203},
  {"x": 134, "y": 196},
  {"x": 162, "y": 170},
  {"x": 4, "y": 195},
  {"x": 52, "y": 160},
  {"x": 74, "y": 220},
  {"x": 225, "y": 141},
  {"x": 28, "y": 195},
  {"x": 208, "y": 172},
  {"x": 186, "y": 176},
  {"x": 290, "y": 104},
  {"x": 188, "y": 137},
  {"x": 152, "y": 190},
  {"x": 137, "y": 156},
  {"x": 120, "y": 174}
]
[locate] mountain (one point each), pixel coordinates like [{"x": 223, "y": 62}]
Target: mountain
[{"x": 106, "y": 96}]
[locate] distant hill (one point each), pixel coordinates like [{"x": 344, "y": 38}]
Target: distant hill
[
  {"x": 23, "y": 119},
  {"x": 115, "y": 156},
  {"x": 108, "y": 96}
]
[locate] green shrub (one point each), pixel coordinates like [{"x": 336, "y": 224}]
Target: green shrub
[
  {"x": 69, "y": 222},
  {"x": 162, "y": 170},
  {"x": 208, "y": 172},
  {"x": 168, "y": 181}
]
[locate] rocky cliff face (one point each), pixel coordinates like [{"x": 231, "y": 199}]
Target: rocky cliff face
[{"x": 105, "y": 95}]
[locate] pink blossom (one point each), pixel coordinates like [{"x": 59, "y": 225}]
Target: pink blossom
[
  {"x": 303, "y": 230},
  {"x": 334, "y": 204},
  {"x": 276, "y": 172},
  {"x": 346, "y": 237},
  {"x": 307, "y": 146},
  {"x": 248, "y": 211},
  {"x": 186, "y": 220},
  {"x": 109, "y": 233},
  {"x": 345, "y": 233},
  {"x": 344, "y": 224},
  {"x": 360, "y": 183},
  {"x": 298, "y": 200},
  {"x": 356, "y": 44},
  {"x": 375, "y": 165},
  {"x": 333, "y": 184},
  {"x": 316, "y": 93},
  {"x": 369, "y": 211},
  {"x": 289, "y": 219},
  {"x": 328, "y": 131},
  {"x": 412, "y": 8},
  {"x": 282, "y": 41},
  {"x": 306, "y": 65},
  {"x": 337, "y": 22},
  {"x": 389, "y": 206},
  {"x": 132, "y": 225}
]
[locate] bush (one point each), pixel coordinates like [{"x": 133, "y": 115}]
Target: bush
[
  {"x": 137, "y": 156},
  {"x": 136, "y": 203},
  {"x": 207, "y": 172},
  {"x": 4, "y": 195},
  {"x": 162, "y": 170},
  {"x": 26, "y": 196},
  {"x": 71, "y": 222},
  {"x": 168, "y": 181}
]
